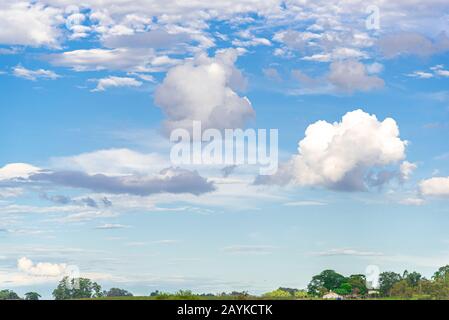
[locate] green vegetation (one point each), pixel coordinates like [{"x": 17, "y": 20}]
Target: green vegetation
[
  {"x": 77, "y": 289},
  {"x": 392, "y": 286},
  {"x": 32, "y": 296},
  {"x": 8, "y": 295}
]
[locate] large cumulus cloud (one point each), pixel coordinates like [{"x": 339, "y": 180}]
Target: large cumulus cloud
[
  {"x": 204, "y": 89},
  {"x": 344, "y": 155}
]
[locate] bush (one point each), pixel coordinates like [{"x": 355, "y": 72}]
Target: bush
[{"x": 278, "y": 294}]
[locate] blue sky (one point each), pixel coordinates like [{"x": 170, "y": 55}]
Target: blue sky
[{"x": 89, "y": 92}]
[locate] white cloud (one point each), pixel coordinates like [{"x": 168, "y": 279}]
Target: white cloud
[
  {"x": 109, "y": 226},
  {"x": 318, "y": 57},
  {"x": 343, "y": 155},
  {"x": 442, "y": 73},
  {"x": 206, "y": 91},
  {"x": 406, "y": 169},
  {"x": 17, "y": 170},
  {"x": 351, "y": 75},
  {"x": 435, "y": 71},
  {"x": 44, "y": 269},
  {"x": 33, "y": 75},
  {"x": 437, "y": 186},
  {"x": 337, "y": 54},
  {"x": 29, "y": 24},
  {"x": 304, "y": 203},
  {"x": 249, "y": 39},
  {"x": 127, "y": 59},
  {"x": 421, "y": 74},
  {"x": 348, "y": 252},
  {"x": 115, "y": 82},
  {"x": 375, "y": 68},
  {"x": 327, "y": 155},
  {"x": 112, "y": 162},
  {"x": 412, "y": 201}
]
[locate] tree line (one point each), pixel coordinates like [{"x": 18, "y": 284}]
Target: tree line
[{"x": 408, "y": 285}]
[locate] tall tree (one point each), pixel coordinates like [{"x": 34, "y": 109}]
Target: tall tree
[
  {"x": 32, "y": 296},
  {"x": 77, "y": 289},
  {"x": 8, "y": 295},
  {"x": 358, "y": 283},
  {"x": 325, "y": 281},
  {"x": 387, "y": 281},
  {"x": 412, "y": 278},
  {"x": 442, "y": 273}
]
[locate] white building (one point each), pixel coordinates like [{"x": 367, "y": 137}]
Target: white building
[{"x": 332, "y": 295}]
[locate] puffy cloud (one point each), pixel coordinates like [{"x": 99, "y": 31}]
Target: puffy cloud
[
  {"x": 436, "y": 186},
  {"x": 205, "y": 91},
  {"x": 170, "y": 180},
  {"x": 33, "y": 75},
  {"x": 29, "y": 24},
  {"x": 343, "y": 155},
  {"x": 351, "y": 75},
  {"x": 17, "y": 170},
  {"x": 43, "y": 269},
  {"x": 115, "y": 82}
]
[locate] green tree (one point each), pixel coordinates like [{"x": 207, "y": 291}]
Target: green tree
[
  {"x": 402, "y": 289},
  {"x": 8, "y": 295},
  {"x": 358, "y": 283},
  {"x": 436, "y": 289},
  {"x": 117, "y": 292},
  {"x": 412, "y": 278},
  {"x": 344, "y": 289},
  {"x": 387, "y": 281},
  {"x": 442, "y": 273},
  {"x": 32, "y": 296},
  {"x": 78, "y": 288},
  {"x": 325, "y": 281}
]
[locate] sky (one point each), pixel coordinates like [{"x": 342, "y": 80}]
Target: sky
[{"x": 91, "y": 90}]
